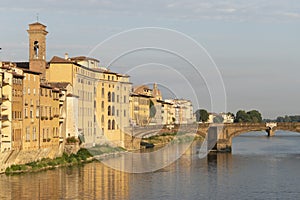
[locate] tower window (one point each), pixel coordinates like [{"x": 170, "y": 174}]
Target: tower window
[{"x": 36, "y": 49}]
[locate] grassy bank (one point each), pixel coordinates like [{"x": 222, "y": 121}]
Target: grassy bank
[
  {"x": 165, "y": 138},
  {"x": 82, "y": 156}
]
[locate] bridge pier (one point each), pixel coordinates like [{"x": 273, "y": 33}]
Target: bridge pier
[
  {"x": 218, "y": 141},
  {"x": 270, "y": 132}
]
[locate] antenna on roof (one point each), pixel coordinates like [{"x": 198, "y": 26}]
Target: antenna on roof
[{"x": 37, "y": 17}]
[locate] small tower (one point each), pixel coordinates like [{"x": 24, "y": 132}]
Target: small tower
[{"x": 37, "y": 47}]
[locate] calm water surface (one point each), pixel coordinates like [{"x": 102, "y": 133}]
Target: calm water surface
[{"x": 258, "y": 168}]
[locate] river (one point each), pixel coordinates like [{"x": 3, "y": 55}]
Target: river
[{"x": 258, "y": 168}]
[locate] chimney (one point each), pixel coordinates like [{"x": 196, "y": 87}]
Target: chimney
[{"x": 66, "y": 56}]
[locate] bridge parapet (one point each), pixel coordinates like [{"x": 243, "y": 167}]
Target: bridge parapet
[{"x": 271, "y": 125}]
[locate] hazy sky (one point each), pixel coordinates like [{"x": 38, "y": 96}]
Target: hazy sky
[{"x": 255, "y": 45}]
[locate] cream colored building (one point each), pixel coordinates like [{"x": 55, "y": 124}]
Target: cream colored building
[
  {"x": 183, "y": 111},
  {"x": 11, "y": 106},
  {"x": 103, "y": 98}
]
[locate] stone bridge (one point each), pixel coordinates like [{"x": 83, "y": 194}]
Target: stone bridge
[
  {"x": 219, "y": 136},
  {"x": 222, "y": 136}
]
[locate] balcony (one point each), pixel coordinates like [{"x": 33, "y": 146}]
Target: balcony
[{"x": 61, "y": 139}]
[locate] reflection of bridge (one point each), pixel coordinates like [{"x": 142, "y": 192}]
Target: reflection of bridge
[{"x": 219, "y": 136}]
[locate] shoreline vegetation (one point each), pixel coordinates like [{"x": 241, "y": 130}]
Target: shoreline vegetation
[
  {"x": 96, "y": 153},
  {"x": 82, "y": 156},
  {"x": 165, "y": 138}
]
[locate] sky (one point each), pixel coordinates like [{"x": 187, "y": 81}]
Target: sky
[{"x": 224, "y": 55}]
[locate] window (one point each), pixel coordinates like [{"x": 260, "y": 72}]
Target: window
[
  {"x": 102, "y": 92},
  {"x": 109, "y": 97},
  {"x": 113, "y": 111},
  {"x": 124, "y": 113},
  {"x": 109, "y": 111},
  {"x": 113, "y": 125},
  {"x": 26, "y": 112},
  {"x": 102, "y": 105},
  {"x": 37, "y": 112},
  {"x": 109, "y": 125},
  {"x": 28, "y": 90},
  {"x": 31, "y": 112},
  {"x": 117, "y": 98},
  {"x": 124, "y": 99},
  {"x": 113, "y": 97},
  {"x": 34, "y": 134},
  {"x": 27, "y": 134},
  {"x": 102, "y": 120}
]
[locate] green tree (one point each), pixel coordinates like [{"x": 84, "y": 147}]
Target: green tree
[
  {"x": 218, "y": 119},
  {"x": 242, "y": 116},
  {"x": 152, "y": 109},
  {"x": 255, "y": 116},
  {"x": 252, "y": 116},
  {"x": 202, "y": 115}
]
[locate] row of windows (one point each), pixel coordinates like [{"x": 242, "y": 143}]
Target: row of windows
[
  {"x": 17, "y": 93},
  {"x": 17, "y": 81},
  {"x": 17, "y": 115},
  {"x": 85, "y": 96},
  {"x": 111, "y": 97},
  {"x": 46, "y": 112},
  {"x": 84, "y": 72},
  {"x": 83, "y": 81},
  {"x": 27, "y": 77},
  {"x": 34, "y": 138},
  {"x": 111, "y": 125}
]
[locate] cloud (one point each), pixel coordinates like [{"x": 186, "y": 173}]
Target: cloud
[{"x": 258, "y": 10}]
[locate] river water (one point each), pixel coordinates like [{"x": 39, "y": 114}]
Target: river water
[{"x": 258, "y": 168}]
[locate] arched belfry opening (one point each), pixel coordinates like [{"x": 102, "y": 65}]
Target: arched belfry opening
[{"x": 37, "y": 47}]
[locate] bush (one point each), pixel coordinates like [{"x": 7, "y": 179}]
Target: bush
[{"x": 71, "y": 140}]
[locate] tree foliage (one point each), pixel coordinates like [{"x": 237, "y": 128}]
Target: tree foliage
[
  {"x": 218, "y": 119},
  {"x": 202, "y": 115},
  {"x": 152, "y": 109},
  {"x": 252, "y": 116}
]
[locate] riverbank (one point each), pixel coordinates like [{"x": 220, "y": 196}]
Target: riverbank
[
  {"x": 165, "y": 138},
  {"x": 81, "y": 157}
]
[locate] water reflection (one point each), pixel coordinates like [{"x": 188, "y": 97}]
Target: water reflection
[
  {"x": 253, "y": 170},
  {"x": 93, "y": 181}
]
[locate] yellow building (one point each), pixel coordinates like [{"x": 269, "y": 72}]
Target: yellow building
[
  {"x": 103, "y": 98},
  {"x": 140, "y": 110},
  {"x": 11, "y": 107},
  {"x": 31, "y": 103},
  {"x": 49, "y": 117}
]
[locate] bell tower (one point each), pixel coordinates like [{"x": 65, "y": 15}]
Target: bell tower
[{"x": 37, "y": 47}]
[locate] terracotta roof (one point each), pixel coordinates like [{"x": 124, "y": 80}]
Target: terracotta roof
[
  {"x": 60, "y": 85},
  {"x": 81, "y": 58},
  {"x": 23, "y": 65},
  {"x": 31, "y": 72},
  {"x": 37, "y": 23},
  {"x": 56, "y": 59},
  {"x": 72, "y": 95}
]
